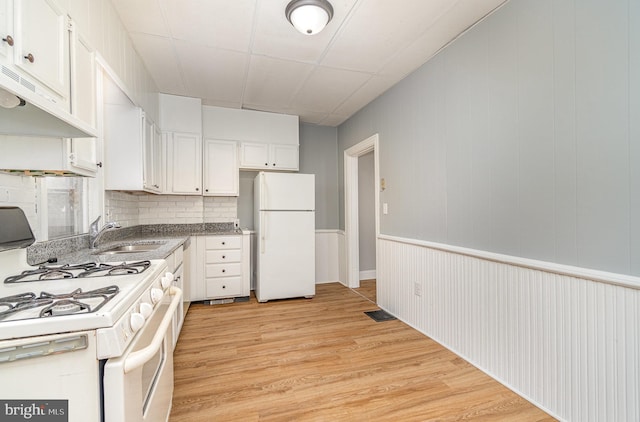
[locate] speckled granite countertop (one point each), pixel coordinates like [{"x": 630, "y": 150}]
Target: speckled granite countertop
[{"x": 168, "y": 237}]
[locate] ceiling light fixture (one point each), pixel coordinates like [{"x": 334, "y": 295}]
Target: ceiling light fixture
[{"x": 309, "y": 16}]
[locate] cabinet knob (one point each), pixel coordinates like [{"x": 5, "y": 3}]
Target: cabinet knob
[
  {"x": 274, "y": 164},
  {"x": 224, "y": 243},
  {"x": 224, "y": 271},
  {"x": 30, "y": 58},
  {"x": 266, "y": 164},
  {"x": 224, "y": 287},
  {"x": 224, "y": 257},
  {"x": 197, "y": 189},
  {"x": 206, "y": 190},
  {"x": 9, "y": 40}
]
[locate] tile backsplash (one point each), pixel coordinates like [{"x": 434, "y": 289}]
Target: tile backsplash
[{"x": 131, "y": 209}]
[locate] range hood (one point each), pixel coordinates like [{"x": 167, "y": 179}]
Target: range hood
[{"x": 40, "y": 115}]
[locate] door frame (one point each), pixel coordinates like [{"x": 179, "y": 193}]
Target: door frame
[{"x": 351, "y": 156}]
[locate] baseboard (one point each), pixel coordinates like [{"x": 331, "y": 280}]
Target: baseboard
[{"x": 367, "y": 274}]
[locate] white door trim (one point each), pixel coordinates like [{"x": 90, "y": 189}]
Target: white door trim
[{"x": 351, "y": 204}]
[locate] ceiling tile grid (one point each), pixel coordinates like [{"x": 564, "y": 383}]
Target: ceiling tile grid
[{"x": 245, "y": 54}]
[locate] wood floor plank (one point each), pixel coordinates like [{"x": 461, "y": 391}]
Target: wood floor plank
[{"x": 323, "y": 359}]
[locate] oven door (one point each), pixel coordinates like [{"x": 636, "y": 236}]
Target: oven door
[{"x": 138, "y": 386}]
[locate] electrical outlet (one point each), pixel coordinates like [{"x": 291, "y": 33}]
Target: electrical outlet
[
  {"x": 236, "y": 223},
  {"x": 417, "y": 289}
]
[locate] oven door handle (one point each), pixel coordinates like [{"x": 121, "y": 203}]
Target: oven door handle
[{"x": 140, "y": 357}]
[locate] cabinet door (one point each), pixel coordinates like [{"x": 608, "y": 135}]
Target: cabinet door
[
  {"x": 284, "y": 157},
  {"x": 83, "y": 155},
  {"x": 186, "y": 163},
  {"x": 148, "y": 164},
  {"x": 83, "y": 80},
  {"x": 221, "y": 171},
  {"x": 42, "y": 43},
  {"x": 6, "y": 32},
  {"x": 254, "y": 156},
  {"x": 159, "y": 163}
]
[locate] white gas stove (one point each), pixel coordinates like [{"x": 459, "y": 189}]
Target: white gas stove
[
  {"x": 93, "y": 330},
  {"x": 111, "y": 297}
]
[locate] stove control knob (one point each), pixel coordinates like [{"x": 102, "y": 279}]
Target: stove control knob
[
  {"x": 156, "y": 295},
  {"x": 136, "y": 322},
  {"x": 166, "y": 280},
  {"x": 146, "y": 309}
]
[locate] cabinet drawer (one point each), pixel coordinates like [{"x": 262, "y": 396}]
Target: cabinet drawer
[
  {"x": 223, "y": 270},
  {"x": 224, "y": 287},
  {"x": 220, "y": 256},
  {"x": 223, "y": 242}
]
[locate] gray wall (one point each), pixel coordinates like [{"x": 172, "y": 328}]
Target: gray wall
[
  {"x": 522, "y": 137},
  {"x": 366, "y": 212},
  {"x": 318, "y": 155}
]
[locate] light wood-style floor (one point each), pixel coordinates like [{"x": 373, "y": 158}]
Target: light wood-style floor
[
  {"x": 367, "y": 289},
  {"x": 323, "y": 359}
]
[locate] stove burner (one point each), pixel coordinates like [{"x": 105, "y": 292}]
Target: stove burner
[
  {"x": 74, "y": 302},
  {"x": 55, "y": 274},
  {"x": 90, "y": 269},
  {"x": 64, "y": 307}
]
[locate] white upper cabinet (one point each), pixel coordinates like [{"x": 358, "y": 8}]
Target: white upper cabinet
[
  {"x": 221, "y": 171},
  {"x": 42, "y": 44},
  {"x": 268, "y": 141},
  {"x": 184, "y": 161},
  {"x": 83, "y": 79},
  {"x": 6, "y": 32},
  {"x": 124, "y": 149},
  {"x": 269, "y": 156}
]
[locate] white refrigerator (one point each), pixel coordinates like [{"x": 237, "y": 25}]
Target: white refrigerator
[{"x": 284, "y": 221}]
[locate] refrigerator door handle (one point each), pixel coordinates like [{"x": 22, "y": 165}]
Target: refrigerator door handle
[
  {"x": 263, "y": 230},
  {"x": 263, "y": 189}
]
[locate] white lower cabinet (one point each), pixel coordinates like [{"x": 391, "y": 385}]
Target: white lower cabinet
[{"x": 222, "y": 267}]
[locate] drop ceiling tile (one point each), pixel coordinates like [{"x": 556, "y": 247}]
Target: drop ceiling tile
[
  {"x": 327, "y": 88},
  {"x": 333, "y": 120},
  {"x": 378, "y": 29},
  {"x": 158, "y": 56},
  {"x": 274, "y": 36},
  {"x": 142, "y": 16},
  {"x": 312, "y": 117},
  {"x": 459, "y": 18},
  {"x": 212, "y": 73},
  {"x": 368, "y": 92},
  {"x": 273, "y": 82},
  {"x": 213, "y": 23}
]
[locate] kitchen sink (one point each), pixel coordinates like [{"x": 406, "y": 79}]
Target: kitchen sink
[{"x": 132, "y": 248}]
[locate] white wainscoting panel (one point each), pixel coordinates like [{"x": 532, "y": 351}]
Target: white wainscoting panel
[
  {"x": 570, "y": 344},
  {"x": 327, "y": 261}
]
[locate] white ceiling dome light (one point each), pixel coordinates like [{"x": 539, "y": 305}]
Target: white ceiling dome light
[{"x": 309, "y": 16}]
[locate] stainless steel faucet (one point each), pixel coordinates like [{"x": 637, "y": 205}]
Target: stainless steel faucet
[{"x": 95, "y": 234}]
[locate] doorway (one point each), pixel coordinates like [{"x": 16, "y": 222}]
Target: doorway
[{"x": 352, "y": 237}]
